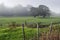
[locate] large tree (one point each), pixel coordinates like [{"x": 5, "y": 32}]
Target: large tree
[{"x": 43, "y": 11}]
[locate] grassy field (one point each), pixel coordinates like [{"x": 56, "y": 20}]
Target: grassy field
[
  {"x": 16, "y": 33},
  {"x": 5, "y": 20}
]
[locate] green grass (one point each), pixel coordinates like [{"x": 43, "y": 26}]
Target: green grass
[
  {"x": 5, "y": 20},
  {"x": 16, "y": 34}
]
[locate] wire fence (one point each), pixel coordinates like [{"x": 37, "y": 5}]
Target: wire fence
[
  {"x": 31, "y": 31},
  {"x": 51, "y": 35}
]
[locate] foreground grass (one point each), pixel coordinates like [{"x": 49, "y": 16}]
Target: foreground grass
[{"x": 17, "y": 34}]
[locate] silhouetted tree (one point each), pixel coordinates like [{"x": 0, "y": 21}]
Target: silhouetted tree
[{"x": 43, "y": 11}]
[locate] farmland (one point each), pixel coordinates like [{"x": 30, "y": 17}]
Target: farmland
[
  {"x": 16, "y": 33},
  {"x": 5, "y": 20}
]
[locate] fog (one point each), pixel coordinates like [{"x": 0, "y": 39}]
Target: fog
[
  {"x": 54, "y": 5},
  {"x": 18, "y": 10},
  {"x": 22, "y": 7}
]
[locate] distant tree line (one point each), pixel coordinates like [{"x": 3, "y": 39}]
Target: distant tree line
[{"x": 19, "y": 10}]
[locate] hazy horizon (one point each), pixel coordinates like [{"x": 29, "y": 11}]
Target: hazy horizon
[{"x": 52, "y": 4}]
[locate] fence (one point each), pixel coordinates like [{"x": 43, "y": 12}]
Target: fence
[
  {"x": 32, "y": 32},
  {"x": 51, "y": 35}
]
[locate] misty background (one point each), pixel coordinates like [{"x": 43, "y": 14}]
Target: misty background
[{"x": 23, "y": 7}]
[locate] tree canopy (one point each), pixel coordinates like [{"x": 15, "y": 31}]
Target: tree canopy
[{"x": 42, "y": 10}]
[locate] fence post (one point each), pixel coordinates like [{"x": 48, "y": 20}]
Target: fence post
[
  {"x": 23, "y": 31},
  {"x": 50, "y": 27},
  {"x": 37, "y": 31}
]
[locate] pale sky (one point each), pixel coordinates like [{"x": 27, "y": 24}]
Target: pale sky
[{"x": 54, "y": 5}]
